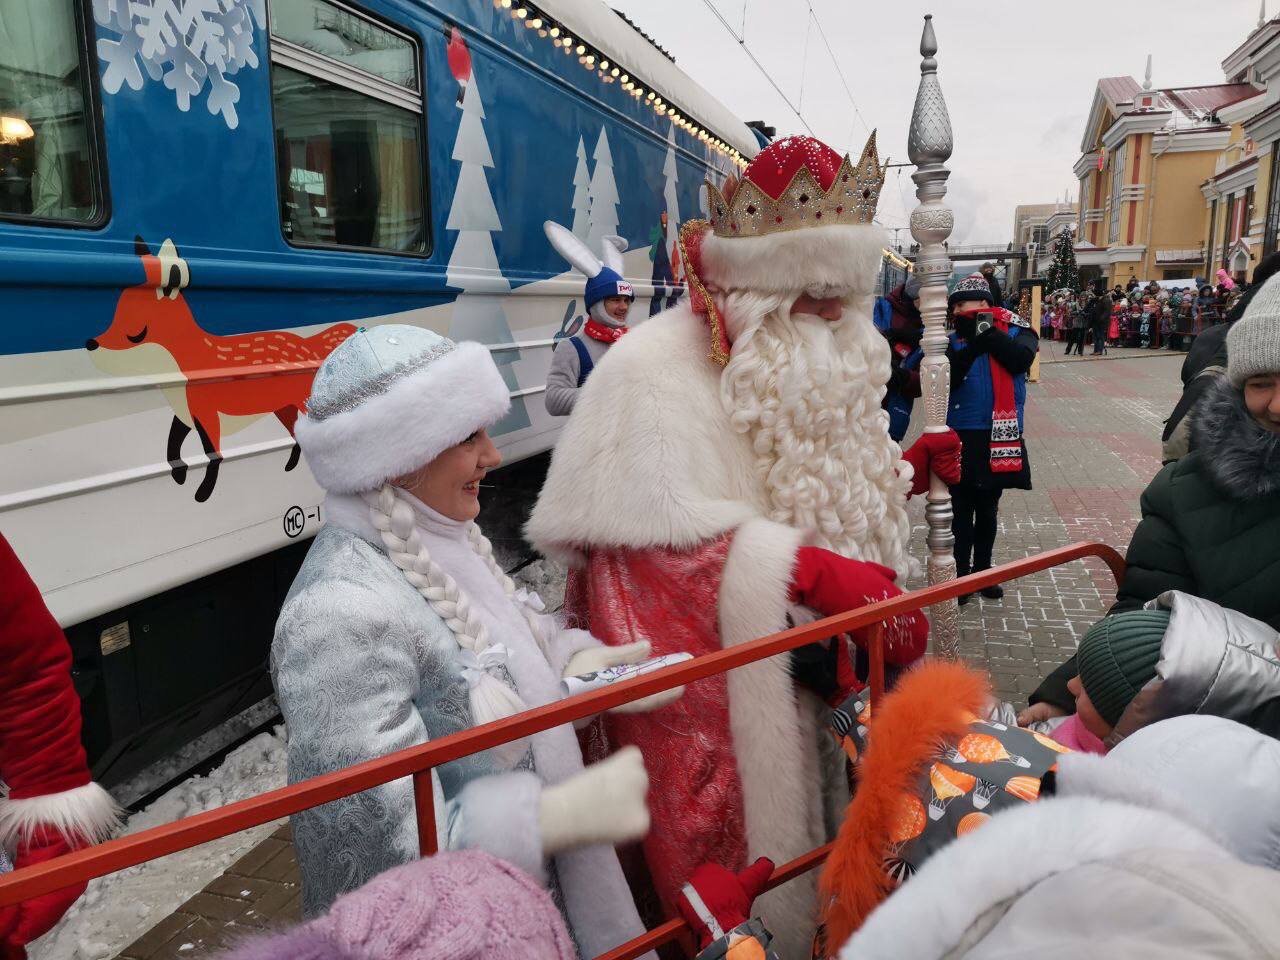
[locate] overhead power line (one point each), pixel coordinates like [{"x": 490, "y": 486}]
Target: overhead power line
[
  {"x": 836, "y": 63},
  {"x": 813, "y": 21},
  {"x": 759, "y": 66}
]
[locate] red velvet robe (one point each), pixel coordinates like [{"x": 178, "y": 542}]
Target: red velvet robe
[{"x": 670, "y": 598}]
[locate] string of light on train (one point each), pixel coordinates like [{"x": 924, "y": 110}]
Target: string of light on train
[{"x": 610, "y": 72}]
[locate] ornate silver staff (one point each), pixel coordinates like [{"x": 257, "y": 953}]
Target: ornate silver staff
[{"x": 929, "y": 147}]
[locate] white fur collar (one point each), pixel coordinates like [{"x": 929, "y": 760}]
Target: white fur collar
[
  {"x": 648, "y": 458},
  {"x": 349, "y": 512},
  {"x": 1018, "y": 849}
]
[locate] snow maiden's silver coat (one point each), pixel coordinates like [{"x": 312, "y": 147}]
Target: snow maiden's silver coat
[{"x": 364, "y": 667}]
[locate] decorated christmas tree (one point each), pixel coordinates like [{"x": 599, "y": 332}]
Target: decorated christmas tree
[{"x": 1062, "y": 272}]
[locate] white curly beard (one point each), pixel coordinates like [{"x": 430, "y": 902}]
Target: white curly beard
[{"x": 807, "y": 393}]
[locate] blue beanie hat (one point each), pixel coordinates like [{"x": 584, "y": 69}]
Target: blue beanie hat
[{"x": 605, "y": 284}]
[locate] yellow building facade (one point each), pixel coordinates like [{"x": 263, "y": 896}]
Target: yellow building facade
[
  {"x": 1241, "y": 201},
  {"x": 1145, "y": 155}
]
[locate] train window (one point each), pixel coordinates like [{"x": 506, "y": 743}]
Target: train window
[
  {"x": 48, "y": 168},
  {"x": 350, "y": 148}
]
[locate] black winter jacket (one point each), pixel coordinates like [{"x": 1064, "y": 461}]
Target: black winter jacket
[{"x": 1210, "y": 525}]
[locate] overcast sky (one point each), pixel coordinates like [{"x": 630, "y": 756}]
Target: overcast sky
[{"x": 1018, "y": 76}]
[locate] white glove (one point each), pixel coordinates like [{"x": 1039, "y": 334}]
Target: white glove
[
  {"x": 594, "y": 659},
  {"x": 605, "y": 803}
]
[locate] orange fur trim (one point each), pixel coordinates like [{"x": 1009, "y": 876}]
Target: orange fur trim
[{"x": 932, "y": 703}]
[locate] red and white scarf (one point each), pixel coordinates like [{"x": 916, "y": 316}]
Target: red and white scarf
[{"x": 1006, "y": 434}]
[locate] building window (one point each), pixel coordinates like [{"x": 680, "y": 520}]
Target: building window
[
  {"x": 350, "y": 144},
  {"x": 1040, "y": 235},
  {"x": 1213, "y": 235},
  {"x": 1247, "y": 219},
  {"x": 1228, "y": 232},
  {"x": 1272, "y": 226},
  {"x": 1117, "y": 182},
  {"x": 49, "y": 166}
]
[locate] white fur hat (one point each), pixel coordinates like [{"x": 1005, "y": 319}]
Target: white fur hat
[{"x": 392, "y": 398}]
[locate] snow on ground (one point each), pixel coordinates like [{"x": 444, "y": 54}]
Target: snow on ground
[
  {"x": 120, "y": 907},
  {"x": 193, "y": 754}
]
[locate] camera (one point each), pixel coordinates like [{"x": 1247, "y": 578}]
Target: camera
[{"x": 984, "y": 321}]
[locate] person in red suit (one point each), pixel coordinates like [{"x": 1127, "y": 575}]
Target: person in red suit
[
  {"x": 728, "y": 465},
  {"x": 52, "y": 806}
]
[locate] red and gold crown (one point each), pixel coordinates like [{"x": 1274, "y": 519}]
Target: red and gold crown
[{"x": 797, "y": 183}]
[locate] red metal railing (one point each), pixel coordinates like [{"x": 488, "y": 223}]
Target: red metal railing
[{"x": 418, "y": 762}]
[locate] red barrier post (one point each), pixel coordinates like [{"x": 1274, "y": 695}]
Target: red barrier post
[
  {"x": 424, "y": 808},
  {"x": 875, "y": 651}
]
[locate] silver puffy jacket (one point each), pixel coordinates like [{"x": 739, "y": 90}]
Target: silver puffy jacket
[{"x": 1213, "y": 661}]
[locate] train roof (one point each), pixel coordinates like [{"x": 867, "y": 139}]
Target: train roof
[{"x": 600, "y": 26}]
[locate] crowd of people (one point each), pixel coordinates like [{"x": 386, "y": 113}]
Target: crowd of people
[
  {"x": 729, "y": 468},
  {"x": 1152, "y": 316}
]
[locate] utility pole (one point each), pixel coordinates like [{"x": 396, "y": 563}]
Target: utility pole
[{"x": 929, "y": 146}]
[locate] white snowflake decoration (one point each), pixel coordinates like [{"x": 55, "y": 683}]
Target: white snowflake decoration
[{"x": 183, "y": 43}]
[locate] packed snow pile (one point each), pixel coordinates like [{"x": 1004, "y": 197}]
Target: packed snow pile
[
  {"x": 546, "y": 578},
  {"x": 195, "y": 753},
  {"x": 120, "y": 907}
]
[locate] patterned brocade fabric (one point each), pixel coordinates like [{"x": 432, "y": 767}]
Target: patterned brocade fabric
[{"x": 669, "y": 597}]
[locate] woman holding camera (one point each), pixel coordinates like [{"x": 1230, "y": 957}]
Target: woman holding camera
[{"x": 991, "y": 350}]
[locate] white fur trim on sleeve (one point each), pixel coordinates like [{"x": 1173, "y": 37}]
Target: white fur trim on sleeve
[
  {"x": 564, "y": 643},
  {"x": 499, "y": 814},
  {"x": 839, "y": 259},
  {"x": 775, "y": 750},
  {"x": 394, "y": 433},
  {"x": 85, "y": 813}
]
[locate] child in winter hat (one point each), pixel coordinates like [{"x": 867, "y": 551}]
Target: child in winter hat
[
  {"x": 464, "y": 905},
  {"x": 1180, "y": 655},
  {"x": 1117, "y": 657}
]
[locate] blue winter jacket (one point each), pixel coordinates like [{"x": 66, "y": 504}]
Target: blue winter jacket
[{"x": 972, "y": 397}]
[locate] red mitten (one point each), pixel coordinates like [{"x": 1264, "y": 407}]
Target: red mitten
[
  {"x": 934, "y": 453},
  {"x": 716, "y": 900},
  {"x": 30, "y": 919},
  {"x": 832, "y": 584}
]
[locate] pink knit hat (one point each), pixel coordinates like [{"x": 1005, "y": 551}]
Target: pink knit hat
[{"x": 461, "y": 905}]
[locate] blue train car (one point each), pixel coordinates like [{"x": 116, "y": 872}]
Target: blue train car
[{"x": 199, "y": 199}]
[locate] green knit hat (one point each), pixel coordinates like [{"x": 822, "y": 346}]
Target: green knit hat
[{"x": 1118, "y": 656}]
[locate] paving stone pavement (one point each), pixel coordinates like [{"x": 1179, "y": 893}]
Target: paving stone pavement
[
  {"x": 1093, "y": 435},
  {"x": 260, "y": 891}
]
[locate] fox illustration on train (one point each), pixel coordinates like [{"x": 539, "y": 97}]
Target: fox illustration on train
[{"x": 252, "y": 374}]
